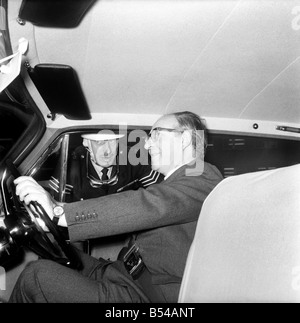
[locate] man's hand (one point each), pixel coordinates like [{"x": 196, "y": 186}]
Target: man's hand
[{"x": 29, "y": 190}]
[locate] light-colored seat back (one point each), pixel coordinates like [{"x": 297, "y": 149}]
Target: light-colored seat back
[{"x": 247, "y": 243}]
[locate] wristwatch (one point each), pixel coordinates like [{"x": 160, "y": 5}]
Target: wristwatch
[{"x": 58, "y": 212}]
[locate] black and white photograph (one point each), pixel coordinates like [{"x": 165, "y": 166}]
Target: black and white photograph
[{"x": 149, "y": 154}]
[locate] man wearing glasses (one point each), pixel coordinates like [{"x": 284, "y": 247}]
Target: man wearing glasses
[
  {"x": 95, "y": 169},
  {"x": 162, "y": 218}
]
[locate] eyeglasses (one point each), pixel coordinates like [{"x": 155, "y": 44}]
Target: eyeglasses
[{"x": 154, "y": 134}]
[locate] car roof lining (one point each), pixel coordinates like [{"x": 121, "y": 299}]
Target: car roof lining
[
  {"x": 217, "y": 58},
  {"x": 236, "y": 61}
]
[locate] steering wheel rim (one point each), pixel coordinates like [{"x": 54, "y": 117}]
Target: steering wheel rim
[
  {"x": 26, "y": 230},
  {"x": 72, "y": 259}
]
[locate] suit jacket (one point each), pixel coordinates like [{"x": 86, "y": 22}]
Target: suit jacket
[{"x": 164, "y": 216}]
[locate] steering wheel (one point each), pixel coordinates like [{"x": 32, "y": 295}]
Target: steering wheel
[{"x": 23, "y": 224}]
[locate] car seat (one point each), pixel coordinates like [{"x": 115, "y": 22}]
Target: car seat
[{"x": 247, "y": 242}]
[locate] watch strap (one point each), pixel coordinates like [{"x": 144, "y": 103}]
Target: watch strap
[{"x": 55, "y": 219}]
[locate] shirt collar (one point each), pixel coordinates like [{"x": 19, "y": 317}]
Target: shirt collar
[
  {"x": 98, "y": 170},
  {"x": 173, "y": 171},
  {"x": 176, "y": 168}
]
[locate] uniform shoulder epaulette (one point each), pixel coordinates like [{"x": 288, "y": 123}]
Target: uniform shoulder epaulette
[{"x": 150, "y": 179}]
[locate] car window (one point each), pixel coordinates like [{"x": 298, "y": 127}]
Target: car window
[
  {"x": 53, "y": 168},
  {"x": 235, "y": 155}
]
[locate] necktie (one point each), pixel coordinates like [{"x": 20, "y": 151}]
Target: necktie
[{"x": 104, "y": 174}]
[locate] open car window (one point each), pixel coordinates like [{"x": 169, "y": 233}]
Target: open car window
[{"x": 53, "y": 169}]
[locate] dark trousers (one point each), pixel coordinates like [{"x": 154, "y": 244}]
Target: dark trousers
[{"x": 101, "y": 281}]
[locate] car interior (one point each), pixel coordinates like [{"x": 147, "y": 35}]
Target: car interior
[{"x": 96, "y": 64}]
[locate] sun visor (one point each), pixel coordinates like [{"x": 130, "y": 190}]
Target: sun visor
[
  {"x": 60, "y": 88},
  {"x": 54, "y": 13}
]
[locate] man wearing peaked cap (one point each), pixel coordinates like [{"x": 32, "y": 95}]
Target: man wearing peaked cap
[{"x": 96, "y": 170}]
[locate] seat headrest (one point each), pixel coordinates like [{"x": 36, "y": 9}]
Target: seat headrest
[{"x": 247, "y": 243}]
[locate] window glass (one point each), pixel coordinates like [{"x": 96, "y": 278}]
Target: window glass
[
  {"x": 53, "y": 170},
  {"x": 235, "y": 155}
]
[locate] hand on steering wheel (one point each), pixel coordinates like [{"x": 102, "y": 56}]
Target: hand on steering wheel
[{"x": 31, "y": 206}]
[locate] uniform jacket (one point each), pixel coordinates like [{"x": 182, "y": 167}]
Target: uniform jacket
[
  {"x": 79, "y": 187},
  {"x": 164, "y": 216}
]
